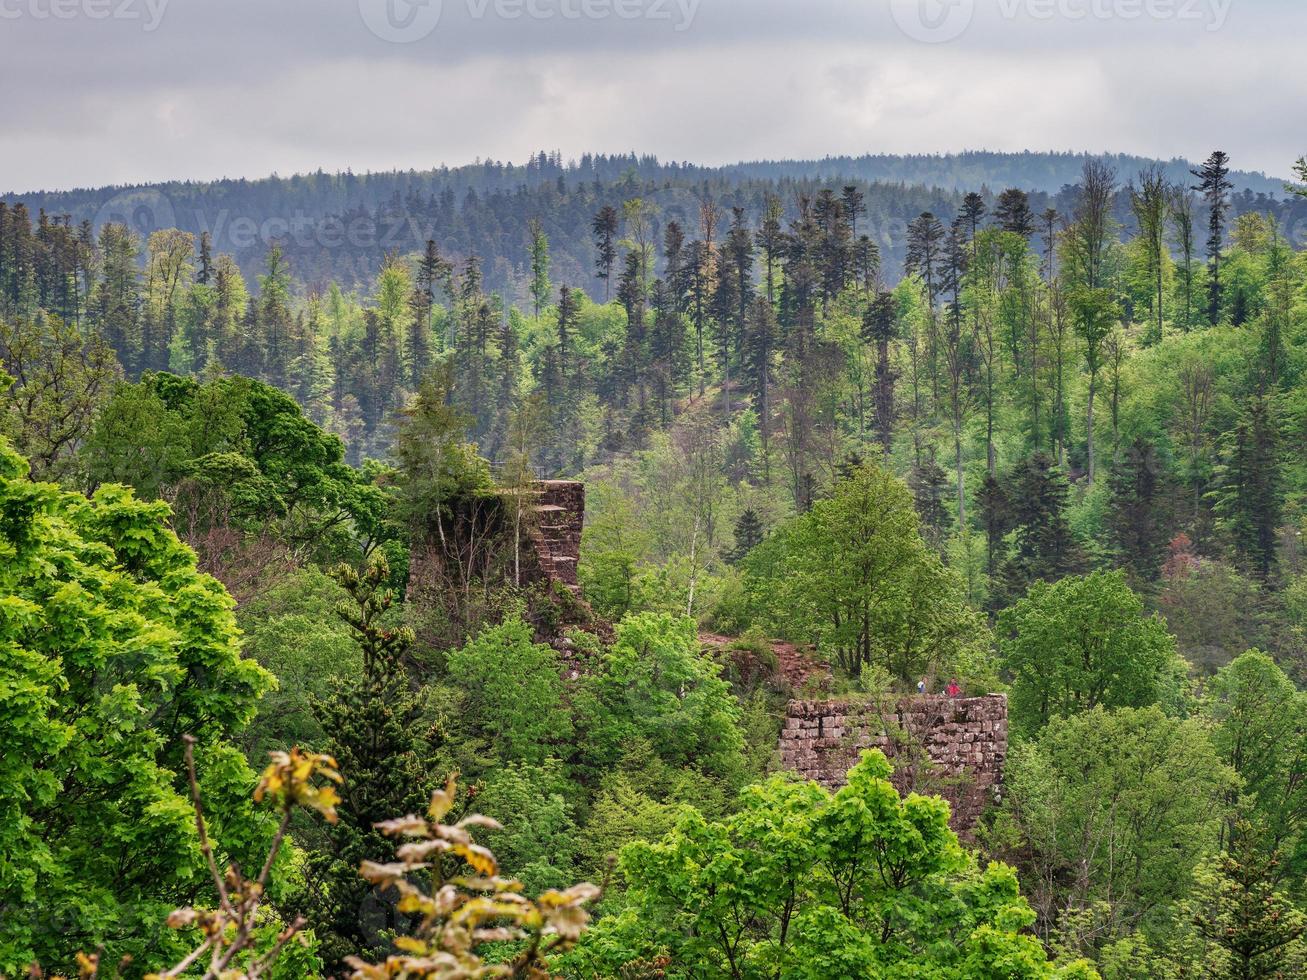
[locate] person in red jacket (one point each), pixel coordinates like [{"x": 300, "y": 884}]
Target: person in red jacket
[{"x": 953, "y": 689}]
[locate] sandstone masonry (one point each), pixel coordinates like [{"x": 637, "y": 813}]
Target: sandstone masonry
[
  {"x": 953, "y": 747},
  {"x": 559, "y": 518}
]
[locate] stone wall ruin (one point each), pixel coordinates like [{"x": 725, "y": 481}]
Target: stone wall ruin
[
  {"x": 558, "y": 518},
  {"x": 953, "y": 747}
]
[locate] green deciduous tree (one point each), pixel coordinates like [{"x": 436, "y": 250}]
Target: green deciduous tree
[
  {"x": 1114, "y": 811},
  {"x": 1260, "y": 730},
  {"x": 112, "y": 647},
  {"x": 56, "y": 376},
  {"x": 854, "y": 574},
  {"x": 656, "y": 683},
  {"x": 1082, "y": 643},
  {"x": 801, "y": 883},
  {"x": 536, "y": 805},
  {"x": 512, "y": 693}
]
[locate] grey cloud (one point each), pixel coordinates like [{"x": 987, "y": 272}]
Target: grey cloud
[{"x": 244, "y": 87}]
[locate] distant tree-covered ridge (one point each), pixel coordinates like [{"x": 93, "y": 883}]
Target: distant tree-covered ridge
[{"x": 341, "y": 226}]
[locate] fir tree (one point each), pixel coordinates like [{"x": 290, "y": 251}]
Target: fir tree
[
  {"x": 1013, "y": 213},
  {"x": 1139, "y": 511},
  {"x": 1046, "y": 547},
  {"x": 995, "y": 521},
  {"x": 1215, "y": 186},
  {"x": 540, "y": 288},
  {"x": 1238, "y": 910},
  {"x": 930, "y": 488},
  {"x": 1249, "y": 497},
  {"x": 748, "y": 535},
  {"x": 879, "y": 327},
  {"x": 604, "y": 228},
  {"x": 568, "y": 310},
  {"x": 374, "y": 733},
  {"x": 760, "y": 347}
]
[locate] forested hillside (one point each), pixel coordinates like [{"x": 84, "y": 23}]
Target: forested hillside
[
  {"x": 341, "y": 227},
  {"x": 839, "y": 439}
]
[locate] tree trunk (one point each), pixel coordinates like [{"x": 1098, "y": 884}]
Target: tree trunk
[
  {"x": 1089, "y": 423},
  {"x": 957, "y": 456}
]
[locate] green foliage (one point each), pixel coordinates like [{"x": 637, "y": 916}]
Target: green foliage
[
  {"x": 1251, "y": 928},
  {"x": 1082, "y": 643},
  {"x": 799, "y": 883},
  {"x": 1089, "y": 406},
  {"x": 511, "y": 693},
  {"x": 372, "y": 723},
  {"x": 1214, "y": 611},
  {"x": 55, "y": 377},
  {"x": 231, "y": 452},
  {"x": 534, "y": 803},
  {"x": 1235, "y": 924},
  {"x": 656, "y": 683},
  {"x": 1260, "y": 730},
  {"x": 854, "y": 574},
  {"x": 1114, "y": 808},
  {"x": 1034, "y": 507},
  {"x": 437, "y": 466},
  {"x": 614, "y": 547},
  {"x": 112, "y": 646},
  {"x": 292, "y": 631}
]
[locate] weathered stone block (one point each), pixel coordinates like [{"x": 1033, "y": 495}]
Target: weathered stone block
[{"x": 955, "y": 748}]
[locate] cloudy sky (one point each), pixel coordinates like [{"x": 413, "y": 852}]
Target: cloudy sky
[{"x": 114, "y": 91}]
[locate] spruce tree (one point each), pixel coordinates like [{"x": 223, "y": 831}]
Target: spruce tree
[
  {"x": 879, "y": 327},
  {"x": 1249, "y": 497},
  {"x": 930, "y": 488},
  {"x": 748, "y": 535},
  {"x": 374, "y": 733},
  {"x": 995, "y": 520},
  {"x": 1013, "y": 213},
  {"x": 771, "y": 240},
  {"x": 1046, "y": 547},
  {"x": 540, "y": 288},
  {"x": 1140, "y": 511},
  {"x": 1238, "y": 909},
  {"x": 432, "y": 272},
  {"x": 604, "y": 228},
  {"x": 1215, "y": 186},
  {"x": 760, "y": 347}
]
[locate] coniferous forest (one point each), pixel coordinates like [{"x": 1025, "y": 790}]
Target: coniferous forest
[{"x": 285, "y": 692}]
